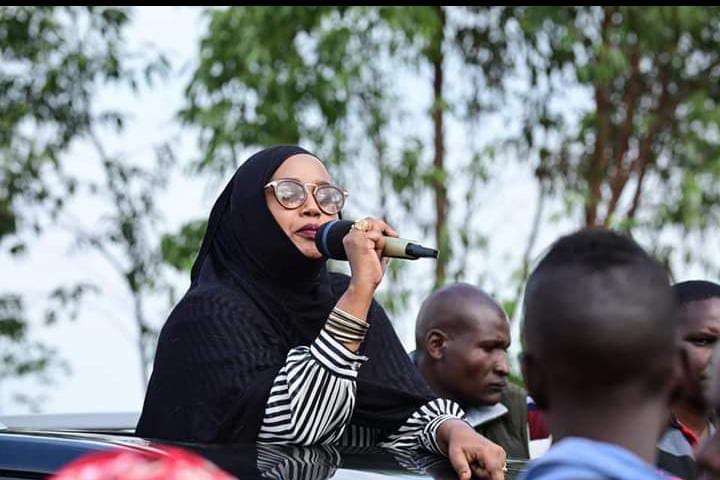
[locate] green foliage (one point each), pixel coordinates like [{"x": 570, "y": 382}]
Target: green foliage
[
  {"x": 180, "y": 249},
  {"x": 643, "y": 154},
  {"x": 67, "y": 299},
  {"x": 20, "y": 357},
  {"x": 620, "y": 122},
  {"x": 53, "y": 58},
  {"x": 53, "y": 61},
  {"x": 273, "y": 75},
  {"x": 327, "y": 77},
  {"x": 125, "y": 237}
]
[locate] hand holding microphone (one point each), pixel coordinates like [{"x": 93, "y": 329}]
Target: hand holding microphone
[
  {"x": 329, "y": 241},
  {"x": 364, "y": 244}
]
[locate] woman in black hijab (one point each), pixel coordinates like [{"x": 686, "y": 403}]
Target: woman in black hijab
[{"x": 268, "y": 346}]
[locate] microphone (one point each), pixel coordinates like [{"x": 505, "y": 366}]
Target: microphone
[{"x": 329, "y": 237}]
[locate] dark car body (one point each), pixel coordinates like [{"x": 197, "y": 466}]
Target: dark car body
[{"x": 36, "y": 446}]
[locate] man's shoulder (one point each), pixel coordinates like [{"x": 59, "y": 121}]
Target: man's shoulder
[
  {"x": 514, "y": 397},
  {"x": 516, "y": 390},
  {"x": 576, "y": 457}
]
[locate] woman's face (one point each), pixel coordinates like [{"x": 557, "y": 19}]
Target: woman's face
[{"x": 301, "y": 224}]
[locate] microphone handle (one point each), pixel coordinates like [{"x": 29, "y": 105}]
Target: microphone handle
[{"x": 399, "y": 248}]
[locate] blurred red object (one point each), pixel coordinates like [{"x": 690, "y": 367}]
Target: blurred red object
[{"x": 166, "y": 463}]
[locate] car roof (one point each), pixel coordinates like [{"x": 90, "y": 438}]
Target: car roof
[
  {"x": 42, "y": 453},
  {"x": 111, "y": 421}
]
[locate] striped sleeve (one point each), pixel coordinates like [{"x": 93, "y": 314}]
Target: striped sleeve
[
  {"x": 420, "y": 429},
  {"x": 313, "y": 396}
]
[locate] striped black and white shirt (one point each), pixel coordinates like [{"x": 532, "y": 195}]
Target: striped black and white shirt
[{"x": 313, "y": 398}]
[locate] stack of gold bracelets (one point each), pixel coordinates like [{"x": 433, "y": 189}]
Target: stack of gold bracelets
[{"x": 346, "y": 328}]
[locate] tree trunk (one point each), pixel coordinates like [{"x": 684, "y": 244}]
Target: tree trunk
[
  {"x": 439, "y": 187},
  {"x": 599, "y": 158},
  {"x": 142, "y": 328},
  {"x": 530, "y": 246}
]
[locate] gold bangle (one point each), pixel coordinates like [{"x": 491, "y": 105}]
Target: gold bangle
[
  {"x": 348, "y": 323},
  {"x": 342, "y": 335},
  {"x": 336, "y": 322},
  {"x": 348, "y": 316}
]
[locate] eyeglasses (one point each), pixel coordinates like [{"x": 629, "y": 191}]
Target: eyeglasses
[{"x": 292, "y": 194}]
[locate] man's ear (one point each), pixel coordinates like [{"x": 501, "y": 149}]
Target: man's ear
[
  {"x": 535, "y": 380},
  {"x": 435, "y": 343}
]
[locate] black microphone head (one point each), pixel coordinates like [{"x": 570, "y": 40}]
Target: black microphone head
[
  {"x": 329, "y": 238},
  {"x": 418, "y": 251}
]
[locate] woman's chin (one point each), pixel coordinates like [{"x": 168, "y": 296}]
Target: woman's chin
[{"x": 310, "y": 251}]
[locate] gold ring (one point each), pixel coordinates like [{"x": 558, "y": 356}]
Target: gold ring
[{"x": 362, "y": 225}]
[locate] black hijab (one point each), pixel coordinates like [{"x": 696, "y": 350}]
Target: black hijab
[{"x": 253, "y": 297}]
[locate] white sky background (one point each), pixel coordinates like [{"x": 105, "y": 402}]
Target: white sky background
[{"x": 100, "y": 345}]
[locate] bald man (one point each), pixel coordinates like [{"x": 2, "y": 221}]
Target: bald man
[{"x": 462, "y": 336}]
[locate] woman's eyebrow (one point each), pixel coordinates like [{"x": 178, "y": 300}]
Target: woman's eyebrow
[{"x": 317, "y": 182}]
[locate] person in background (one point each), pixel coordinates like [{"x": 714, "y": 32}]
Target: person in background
[
  {"x": 461, "y": 337},
  {"x": 692, "y": 418},
  {"x": 708, "y": 453},
  {"x": 599, "y": 334}
]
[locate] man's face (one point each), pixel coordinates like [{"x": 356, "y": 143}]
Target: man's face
[
  {"x": 708, "y": 456},
  {"x": 700, "y": 331},
  {"x": 475, "y": 365}
]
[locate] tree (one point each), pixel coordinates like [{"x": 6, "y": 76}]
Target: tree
[
  {"x": 20, "y": 356},
  {"x": 643, "y": 154},
  {"x": 125, "y": 236},
  {"x": 52, "y": 60}
]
